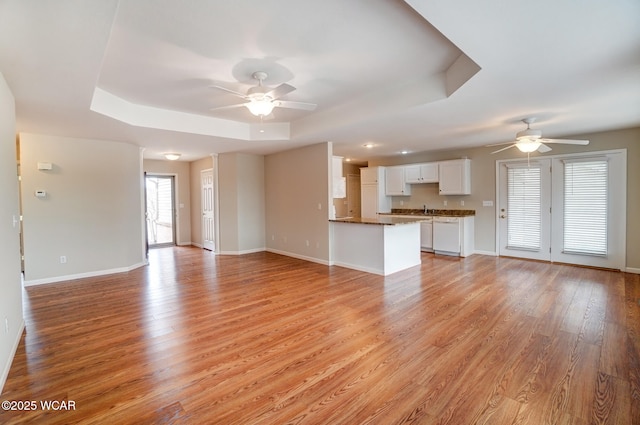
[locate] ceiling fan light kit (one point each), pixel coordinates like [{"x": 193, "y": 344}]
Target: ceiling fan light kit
[
  {"x": 262, "y": 107},
  {"x": 261, "y": 99},
  {"x": 530, "y": 140}
]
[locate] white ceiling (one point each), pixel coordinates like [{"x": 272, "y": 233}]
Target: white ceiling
[{"x": 405, "y": 75}]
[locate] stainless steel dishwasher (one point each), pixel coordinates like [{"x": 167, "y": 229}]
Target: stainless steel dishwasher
[{"x": 446, "y": 235}]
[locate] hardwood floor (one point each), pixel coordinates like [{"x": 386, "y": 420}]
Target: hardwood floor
[{"x": 267, "y": 339}]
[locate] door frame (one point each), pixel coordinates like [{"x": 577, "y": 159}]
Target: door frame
[
  {"x": 620, "y": 219},
  {"x": 174, "y": 204},
  {"x": 214, "y": 200}
]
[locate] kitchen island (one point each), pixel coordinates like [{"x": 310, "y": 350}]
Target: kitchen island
[{"x": 381, "y": 245}]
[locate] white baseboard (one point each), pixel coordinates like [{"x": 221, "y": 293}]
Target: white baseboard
[
  {"x": 633, "y": 270},
  {"x": 7, "y": 366},
  {"x": 301, "y": 257},
  {"x": 246, "y": 251},
  {"x": 83, "y": 275},
  {"x": 197, "y": 245},
  {"x": 490, "y": 253},
  {"x": 184, "y": 243}
]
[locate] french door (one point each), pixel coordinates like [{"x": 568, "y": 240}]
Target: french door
[
  {"x": 160, "y": 211},
  {"x": 569, "y": 209}
]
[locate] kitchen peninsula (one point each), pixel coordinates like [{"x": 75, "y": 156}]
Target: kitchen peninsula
[{"x": 381, "y": 245}]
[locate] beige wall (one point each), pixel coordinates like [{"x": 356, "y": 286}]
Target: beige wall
[
  {"x": 297, "y": 200},
  {"x": 10, "y": 281},
  {"x": 195, "y": 168},
  {"x": 93, "y": 212},
  {"x": 241, "y": 203},
  {"x": 181, "y": 171},
  {"x": 483, "y": 184}
]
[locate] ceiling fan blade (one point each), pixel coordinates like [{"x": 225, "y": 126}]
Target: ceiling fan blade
[
  {"x": 566, "y": 141},
  {"x": 500, "y": 144},
  {"x": 296, "y": 105},
  {"x": 543, "y": 148},
  {"x": 244, "y": 96},
  {"x": 503, "y": 149},
  {"x": 222, "y": 108},
  {"x": 281, "y": 90}
]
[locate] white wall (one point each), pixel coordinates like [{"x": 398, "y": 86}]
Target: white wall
[
  {"x": 93, "y": 212},
  {"x": 10, "y": 282},
  {"x": 181, "y": 171},
  {"x": 297, "y": 200},
  {"x": 241, "y": 203}
]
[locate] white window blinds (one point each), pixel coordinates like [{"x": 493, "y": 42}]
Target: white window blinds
[
  {"x": 585, "y": 206},
  {"x": 523, "y": 208}
]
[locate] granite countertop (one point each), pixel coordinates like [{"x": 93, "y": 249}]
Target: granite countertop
[
  {"x": 431, "y": 213},
  {"x": 382, "y": 221}
]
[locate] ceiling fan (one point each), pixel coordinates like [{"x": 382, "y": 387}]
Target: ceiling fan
[
  {"x": 261, "y": 99},
  {"x": 531, "y": 140}
]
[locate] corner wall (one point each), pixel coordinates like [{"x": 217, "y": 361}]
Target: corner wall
[
  {"x": 11, "y": 315},
  {"x": 241, "y": 203},
  {"x": 297, "y": 202},
  {"x": 92, "y": 213}
]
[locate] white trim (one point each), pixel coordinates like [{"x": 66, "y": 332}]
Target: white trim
[
  {"x": 359, "y": 268},
  {"x": 301, "y": 257},
  {"x": 188, "y": 243},
  {"x": 634, "y": 270},
  {"x": 246, "y": 251},
  {"x": 489, "y": 253},
  {"x": 197, "y": 245},
  {"x": 83, "y": 275},
  {"x": 7, "y": 366}
]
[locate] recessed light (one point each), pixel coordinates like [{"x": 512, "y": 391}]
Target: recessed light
[
  {"x": 348, "y": 159},
  {"x": 368, "y": 145},
  {"x": 404, "y": 152}
]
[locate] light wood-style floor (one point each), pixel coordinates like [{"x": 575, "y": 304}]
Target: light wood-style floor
[{"x": 267, "y": 339}]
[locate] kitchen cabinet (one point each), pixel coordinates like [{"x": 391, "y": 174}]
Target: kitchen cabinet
[
  {"x": 395, "y": 183},
  {"x": 373, "y": 199},
  {"x": 455, "y": 177},
  {"x": 339, "y": 186},
  {"x": 426, "y": 235},
  {"x": 421, "y": 173}
]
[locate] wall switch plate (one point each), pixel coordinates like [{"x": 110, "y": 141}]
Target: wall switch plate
[
  {"x": 63, "y": 259},
  {"x": 487, "y": 203},
  {"x": 445, "y": 203}
]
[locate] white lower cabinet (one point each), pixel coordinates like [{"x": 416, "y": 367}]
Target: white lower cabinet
[{"x": 426, "y": 235}]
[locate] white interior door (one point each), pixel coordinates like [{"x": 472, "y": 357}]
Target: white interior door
[
  {"x": 524, "y": 209},
  {"x": 208, "y": 228}
]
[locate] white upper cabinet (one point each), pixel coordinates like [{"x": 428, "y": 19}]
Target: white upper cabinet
[
  {"x": 395, "y": 184},
  {"x": 421, "y": 173},
  {"x": 455, "y": 177}
]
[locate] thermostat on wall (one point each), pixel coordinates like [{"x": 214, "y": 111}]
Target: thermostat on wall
[
  {"x": 45, "y": 166},
  {"x": 41, "y": 194}
]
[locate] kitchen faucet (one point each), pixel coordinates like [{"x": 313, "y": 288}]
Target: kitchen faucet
[{"x": 425, "y": 208}]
